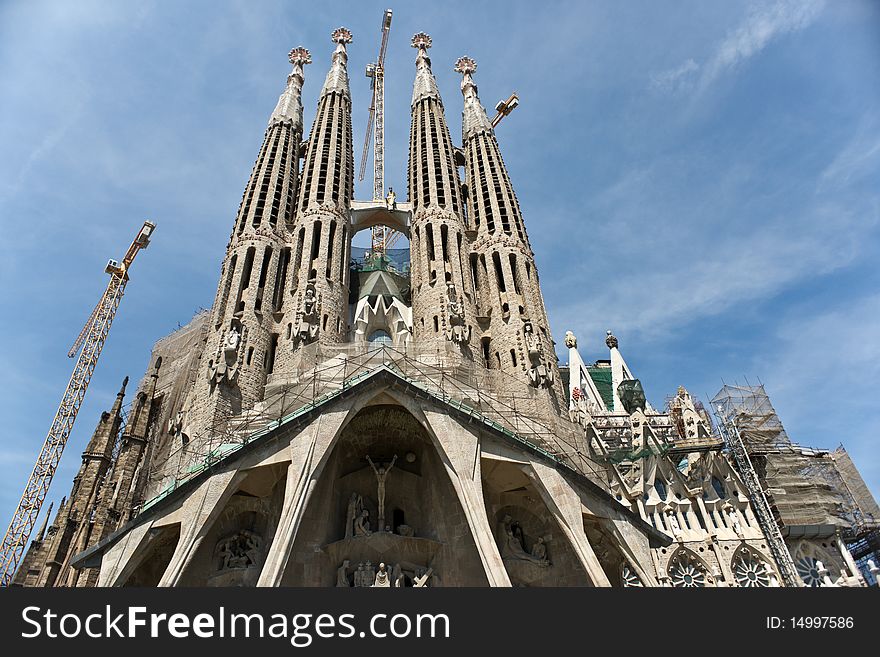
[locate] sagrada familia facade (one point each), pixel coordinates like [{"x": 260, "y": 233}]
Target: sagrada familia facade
[{"x": 353, "y": 421}]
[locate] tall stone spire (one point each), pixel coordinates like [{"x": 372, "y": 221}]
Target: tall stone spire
[
  {"x": 115, "y": 504},
  {"x": 509, "y": 300},
  {"x": 74, "y": 518},
  {"x": 248, "y": 316},
  {"x": 290, "y": 108},
  {"x": 442, "y": 287},
  {"x": 321, "y": 237}
]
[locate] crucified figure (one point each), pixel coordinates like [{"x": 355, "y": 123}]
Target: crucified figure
[{"x": 381, "y": 475}]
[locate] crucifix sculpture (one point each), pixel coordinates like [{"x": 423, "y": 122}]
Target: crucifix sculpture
[{"x": 381, "y": 475}]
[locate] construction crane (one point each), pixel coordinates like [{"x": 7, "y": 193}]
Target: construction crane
[
  {"x": 89, "y": 343},
  {"x": 505, "y": 107},
  {"x": 382, "y": 236}
]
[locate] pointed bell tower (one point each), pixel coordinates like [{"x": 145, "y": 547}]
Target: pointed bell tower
[
  {"x": 516, "y": 338},
  {"x": 322, "y": 234},
  {"x": 252, "y": 304},
  {"x": 442, "y": 286}
]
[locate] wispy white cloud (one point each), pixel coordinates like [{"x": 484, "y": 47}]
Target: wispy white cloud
[
  {"x": 672, "y": 79},
  {"x": 859, "y": 157},
  {"x": 761, "y": 26}
]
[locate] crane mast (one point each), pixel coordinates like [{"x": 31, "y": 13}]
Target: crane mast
[
  {"x": 91, "y": 339},
  {"x": 381, "y": 235}
]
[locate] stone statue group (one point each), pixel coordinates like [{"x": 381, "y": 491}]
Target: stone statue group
[{"x": 368, "y": 575}]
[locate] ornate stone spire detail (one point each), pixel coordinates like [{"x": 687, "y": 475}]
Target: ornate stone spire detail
[
  {"x": 473, "y": 118},
  {"x": 337, "y": 77},
  {"x": 610, "y": 340},
  {"x": 289, "y": 107},
  {"x": 425, "y": 85}
]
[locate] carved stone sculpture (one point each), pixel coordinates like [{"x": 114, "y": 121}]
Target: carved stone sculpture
[
  {"x": 539, "y": 549},
  {"x": 382, "y": 581},
  {"x": 422, "y": 577},
  {"x": 362, "y": 524},
  {"x": 570, "y": 341},
  {"x": 355, "y": 506},
  {"x": 240, "y": 550},
  {"x": 381, "y": 476},
  {"x": 309, "y": 317},
  {"x": 512, "y": 544},
  {"x": 397, "y": 578},
  {"x": 540, "y": 376},
  {"x": 342, "y": 575},
  {"x": 458, "y": 332},
  {"x": 225, "y": 368}
]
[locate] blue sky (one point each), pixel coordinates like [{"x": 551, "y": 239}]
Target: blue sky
[{"x": 701, "y": 177}]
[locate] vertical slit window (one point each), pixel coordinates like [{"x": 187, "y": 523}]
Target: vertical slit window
[
  {"x": 300, "y": 239},
  {"x": 343, "y": 256},
  {"x": 514, "y": 272},
  {"x": 280, "y": 280},
  {"x": 330, "y": 237},
  {"x": 316, "y": 249},
  {"x": 264, "y": 271},
  {"x": 227, "y": 288},
  {"x": 245, "y": 278},
  {"x": 499, "y": 275},
  {"x": 273, "y": 350}
]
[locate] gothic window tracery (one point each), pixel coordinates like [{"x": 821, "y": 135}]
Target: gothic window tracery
[
  {"x": 749, "y": 570},
  {"x": 686, "y": 571},
  {"x": 628, "y": 577}
]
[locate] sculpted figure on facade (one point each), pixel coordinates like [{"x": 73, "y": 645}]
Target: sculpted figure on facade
[
  {"x": 459, "y": 332},
  {"x": 381, "y": 475},
  {"x": 362, "y": 524},
  {"x": 225, "y": 368},
  {"x": 512, "y": 544},
  {"x": 382, "y": 580},
  {"x": 397, "y": 577},
  {"x": 241, "y": 550},
  {"x": 539, "y": 549},
  {"x": 353, "y": 512},
  {"x": 309, "y": 320},
  {"x": 342, "y": 575},
  {"x": 540, "y": 376}
]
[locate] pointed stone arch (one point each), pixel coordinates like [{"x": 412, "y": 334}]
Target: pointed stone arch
[
  {"x": 752, "y": 569},
  {"x": 685, "y": 569}
]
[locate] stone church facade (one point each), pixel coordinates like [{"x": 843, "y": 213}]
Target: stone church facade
[{"x": 335, "y": 422}]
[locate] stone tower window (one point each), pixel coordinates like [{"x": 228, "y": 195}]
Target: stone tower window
[
  {"x": 300, "y": 239},
  {"x": 332, "y": 234},
  {"x": 316, "y": 249},
  {"x": 227, "y": 288},
  {"x": 245, "y": 278},
  {"x": 270, "y": 355},
  {"x": 485, "y": 343},
  {"x": 249, "y": 193},
  {"x": 264, "y": 185},
  {"x": 280, "y": 280},
  {"x": 343, "y": 260},
  {"x": 499, "y": 275},
  {"x": 264, "y": 271}
]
